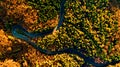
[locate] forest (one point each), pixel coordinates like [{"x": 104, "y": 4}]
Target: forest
[{"x": 87, "y": 34}]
